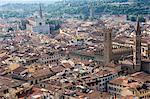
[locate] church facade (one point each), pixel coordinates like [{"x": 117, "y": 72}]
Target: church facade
[{"x": 38, "y": 24}]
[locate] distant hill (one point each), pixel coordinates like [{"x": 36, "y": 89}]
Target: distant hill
[
  {"x": 99, "y": 7},
  {"x": 82, "y": 8}
]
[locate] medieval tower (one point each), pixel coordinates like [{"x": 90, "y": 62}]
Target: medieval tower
[
  {"x": 137, "y": 48},
  {"x": 107, "y": 46}
]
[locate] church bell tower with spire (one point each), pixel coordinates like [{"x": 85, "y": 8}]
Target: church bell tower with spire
[
  {"x": 137, "y": 47},
  {"x": 40, "y": 19},
  {"x": 41, "y": 26},
  {"x": 40, "y": 12}
]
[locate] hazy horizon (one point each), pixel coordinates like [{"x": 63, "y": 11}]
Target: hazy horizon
[{"x": 26, "y": 1}]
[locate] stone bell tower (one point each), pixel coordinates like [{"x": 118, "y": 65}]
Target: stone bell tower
[
  {"x": 137, "y": 47},
  {"x": 107, "y": 46}
]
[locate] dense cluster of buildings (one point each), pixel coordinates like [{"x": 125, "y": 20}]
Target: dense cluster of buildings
[{"x": 86, "y": 60}]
